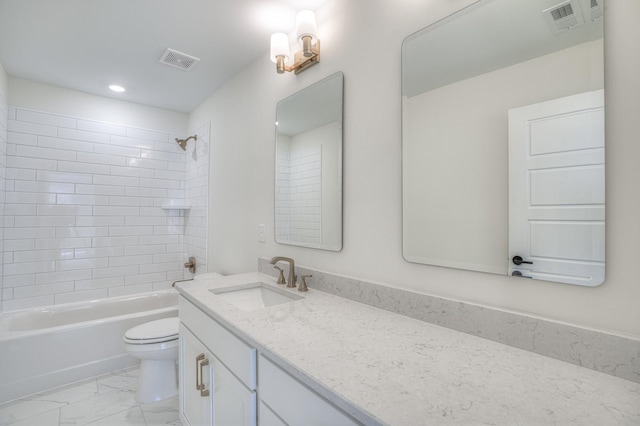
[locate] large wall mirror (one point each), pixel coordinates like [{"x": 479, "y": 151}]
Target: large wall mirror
[
  {"x": 503, "y": 140},
  {"x": 308, "y": 204}
]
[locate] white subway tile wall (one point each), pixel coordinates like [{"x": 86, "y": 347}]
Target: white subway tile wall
[
  {"x": 4, "y": 118},
  {"x": 299, "y": 195},
  {"x": 306, "y": 195},
  {"x": 84, "y": 217}
]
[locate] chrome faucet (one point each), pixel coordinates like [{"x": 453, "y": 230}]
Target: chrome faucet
[{"x": 292, "y": 269}]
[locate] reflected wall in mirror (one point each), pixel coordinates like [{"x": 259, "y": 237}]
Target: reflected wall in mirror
[
  {"x": 308, "y": 204},
  {"x": 503, "y": 140}
]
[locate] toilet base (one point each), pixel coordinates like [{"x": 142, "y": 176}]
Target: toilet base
[{"x": 157, "y": 380}]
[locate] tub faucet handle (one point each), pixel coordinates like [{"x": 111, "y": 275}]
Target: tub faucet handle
[{"x": 281, "y": 279}]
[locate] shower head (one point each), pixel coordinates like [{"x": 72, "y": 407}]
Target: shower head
[{"x": 183, "y": 142}]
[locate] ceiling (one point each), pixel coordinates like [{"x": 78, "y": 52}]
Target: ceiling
[
  {"x": 487, "y": 36},
  {"x": 311, "y": 107},
  {"x": 86, "y": 45}
]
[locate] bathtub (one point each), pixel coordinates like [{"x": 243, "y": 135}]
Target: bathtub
[{"x": 48, "y": 347}]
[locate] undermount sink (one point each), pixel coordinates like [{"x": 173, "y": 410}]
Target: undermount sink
[{"x": 253, "y": 296}]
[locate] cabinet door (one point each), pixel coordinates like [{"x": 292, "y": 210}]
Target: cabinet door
[
  {"x": 233, "y": 403},
  {"x": 268, "y": 417},
  {"x": 195, "y": 404},
  {"x": 223, "y": 400},
  {"x": 294, "y": 403},
  {"x": 236, "y": 355}
]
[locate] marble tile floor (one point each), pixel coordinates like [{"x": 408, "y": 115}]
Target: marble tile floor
[{"x": 107, "y": 400}]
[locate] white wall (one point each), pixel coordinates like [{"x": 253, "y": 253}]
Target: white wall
[
  {"x": 465, "y": 167},
  {"x": 283, "y": 189},
  {"x": 4, "y": 116},
  {"x": 363, "y": 40},
  {"x": 4, "y": 83},
  {"x": 57, "y": 100},
  {"x": 197, "y": 196},
  {"x": 331, "y": 194}
]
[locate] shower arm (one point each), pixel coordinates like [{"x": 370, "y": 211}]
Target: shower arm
[{"x": 183, "y": 142}]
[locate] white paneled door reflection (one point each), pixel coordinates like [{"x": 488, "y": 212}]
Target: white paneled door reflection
[{"x": 556, "y": 189}]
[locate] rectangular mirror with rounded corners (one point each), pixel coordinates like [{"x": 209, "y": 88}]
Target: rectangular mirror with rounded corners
[
  {"x": 503, "y": 141},
  {"x": 308, "y": 195}
]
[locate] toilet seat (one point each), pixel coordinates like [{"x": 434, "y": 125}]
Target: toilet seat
[{"x": 159, "y": 331}]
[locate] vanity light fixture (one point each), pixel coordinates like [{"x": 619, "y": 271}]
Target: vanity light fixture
[{"x": 306, "y": 34}]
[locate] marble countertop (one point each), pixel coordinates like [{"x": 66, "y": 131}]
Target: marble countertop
[{"x": 385, "y": 368}]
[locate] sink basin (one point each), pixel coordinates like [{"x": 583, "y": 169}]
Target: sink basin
[{"x": 253, "y": 296}]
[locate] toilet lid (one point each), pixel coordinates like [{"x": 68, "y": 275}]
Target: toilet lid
[{"x": 157, "y": 331}]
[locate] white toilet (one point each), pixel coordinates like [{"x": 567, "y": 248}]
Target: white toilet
[{"x": 155, "y": 343}]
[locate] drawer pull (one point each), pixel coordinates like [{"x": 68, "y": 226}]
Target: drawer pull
[
  {"x": 199, "y": 385},
  {"x": 203, "y": 391}
]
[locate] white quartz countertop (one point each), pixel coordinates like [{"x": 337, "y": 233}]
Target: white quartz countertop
[{"x": 385, "y": 368}]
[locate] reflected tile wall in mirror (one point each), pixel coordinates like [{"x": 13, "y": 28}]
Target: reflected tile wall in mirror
[{"x": 308, "y": 187}]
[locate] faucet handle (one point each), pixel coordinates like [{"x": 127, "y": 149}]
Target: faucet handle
[
  {"x": 281, "y": 279},
  {"x": 303, "y": 284}
]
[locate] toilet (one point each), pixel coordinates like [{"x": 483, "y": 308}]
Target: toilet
[{"x": 155, "y": 344}]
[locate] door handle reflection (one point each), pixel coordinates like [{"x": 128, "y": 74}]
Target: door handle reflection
[{"x": 519, "y": 260}]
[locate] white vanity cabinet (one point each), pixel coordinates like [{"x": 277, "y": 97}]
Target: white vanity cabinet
[
  {"x": 215, "y": 360},
  {"x": 286, "y": 401},
  {"x": 196, "y": 376},
  {"x": 217, "y": 373}
]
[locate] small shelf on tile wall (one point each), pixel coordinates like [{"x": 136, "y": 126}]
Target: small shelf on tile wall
[{"x": 176, "y": 206}]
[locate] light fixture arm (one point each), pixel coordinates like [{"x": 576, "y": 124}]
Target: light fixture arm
[{"x": 306, "y": 58}]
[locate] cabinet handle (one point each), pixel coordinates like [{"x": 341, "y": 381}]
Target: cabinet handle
[
  {"x": 199, "y": 386},
  {"x": 203, "y": 391}
]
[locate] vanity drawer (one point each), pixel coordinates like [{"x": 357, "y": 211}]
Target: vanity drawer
[
  {"x": 235, "y": 354},
  {"x": 293, "y": 402}
]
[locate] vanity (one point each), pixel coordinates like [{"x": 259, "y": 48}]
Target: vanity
[
  {"x": 316, "y": 358},
  {"x": 221, "y": 365}
]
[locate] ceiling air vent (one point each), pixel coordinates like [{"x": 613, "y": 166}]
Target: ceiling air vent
[
  {"x": 180, "y": 60},
  {"x": 564, "y": 16},
  {"x": 596, "y": 10}
]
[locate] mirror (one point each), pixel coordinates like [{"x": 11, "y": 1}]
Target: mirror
[
  {"x": 503, "y": 140},
  {"x": 308, "y": 204}
]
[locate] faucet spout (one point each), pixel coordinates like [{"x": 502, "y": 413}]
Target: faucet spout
[{"x": 292, "y": 269}]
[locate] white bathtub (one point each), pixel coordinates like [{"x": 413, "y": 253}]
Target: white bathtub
[{"x": 47, "y": 347}]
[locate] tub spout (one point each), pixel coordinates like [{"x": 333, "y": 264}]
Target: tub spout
[{"x": 191, "y": 265}]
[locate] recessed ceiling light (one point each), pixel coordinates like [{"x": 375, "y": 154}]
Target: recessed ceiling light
[{"x": 116, "y": 88}]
